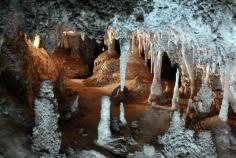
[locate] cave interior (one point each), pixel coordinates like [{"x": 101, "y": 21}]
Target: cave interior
[{"x": 108, "y": 79}]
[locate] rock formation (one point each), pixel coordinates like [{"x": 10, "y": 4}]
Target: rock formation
[
  {"x": 180, "y": 142},
  {"x": 122, "y": 114},
  {"x": 104, "y": 131},
  {"x": 46, "y": 138},
  {"x": 175, "y": 99}
]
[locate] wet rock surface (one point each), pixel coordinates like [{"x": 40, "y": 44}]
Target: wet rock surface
[
  {"x": 117, "y": 96},
  {"x": 135, "y": 128}
]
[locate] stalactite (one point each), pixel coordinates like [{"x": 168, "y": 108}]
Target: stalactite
[
  {"x": 233, "y": 100},
  {"x": 207, "y": 73},
  {"x": 154, "y": 81},
  {"x": 159, "y": 65},
  {"x": 123, "y": 62},
  {"x": 152, "y": 59},
  {"x": 222, "y": 73},
  {"x": 223, "y": 115},
  {"x": 189, "y": 69},
  {"x": 175, "y": 99},
  {"x": 133, "y": 43},
  {"x": 233, "y": 87},
  {"x": 146, "y": 57},
  {"x": 156, "y": 89},
  {"x": 122, "y": 114},
  {"x": 139, "y": 44},
  {"x": 144, "y": 43}
]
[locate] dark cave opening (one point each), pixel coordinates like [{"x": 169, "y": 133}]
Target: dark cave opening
[
  {"x": 100, "y": 48},
  {"x": 168, "y": 71},
  {"x": 117, "y": 46}
]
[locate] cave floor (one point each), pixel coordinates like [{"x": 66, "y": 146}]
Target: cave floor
[{"x": 153, "y": 122}]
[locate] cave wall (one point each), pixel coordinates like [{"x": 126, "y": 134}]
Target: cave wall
[
  {"x": 205, "y": 30},
  {"x": 24, "y": 67}
]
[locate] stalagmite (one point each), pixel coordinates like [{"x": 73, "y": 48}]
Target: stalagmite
[
  {"x": 204, "y": 97},
  {"x": 46, "y": 138},
  {"x": 175, "y": 99},
  {"x": 104, "y": 132},
  {"x": 122, "y": 114},
  {"x": 223, "y": 115}
]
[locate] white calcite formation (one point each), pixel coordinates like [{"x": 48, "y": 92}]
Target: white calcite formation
[
  {"x": 204, "y": 97},
  {"x": 156, "y": 89},
  {"x": 84, "y": 154},
  {"x": 148, "y": 152},
  {"x": 223, "y": 115},
  {"x": 224, "y": 138},
  {"x": 180, "y": 142},
  {"x": 46, "y": 138},
  {"x": 232, "y": 86},
  {"x": 191, "y": 32},
  {"x": 233, "y": 97},
  {"x": 104, "y": 132},
  {"x": 110, "y": 39},
  {"x": 189, "y": 63},
  {"x": 123, "y": 62},
  {"x": 122, "y": 114},
  {"x": 158, "y": 66},
  {"x": 175, "y": 99}
]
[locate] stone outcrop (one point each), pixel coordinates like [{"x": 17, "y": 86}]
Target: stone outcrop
[
  {"x": 24, "y": 67},
  {"x": 46, "y": 138}
]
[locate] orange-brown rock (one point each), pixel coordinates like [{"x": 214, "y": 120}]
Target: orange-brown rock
[
  {"x": 30, "y": 66},
  {"x": 106, "y": 70}
]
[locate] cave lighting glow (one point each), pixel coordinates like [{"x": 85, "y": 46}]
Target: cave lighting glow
[
  {"x": 36, "y": 41},
  {"x": 71, "y": 32}
]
